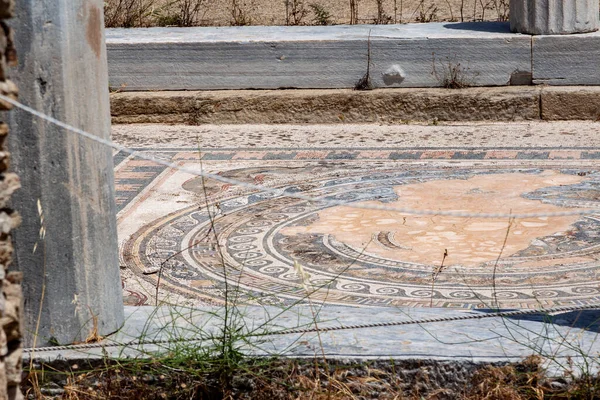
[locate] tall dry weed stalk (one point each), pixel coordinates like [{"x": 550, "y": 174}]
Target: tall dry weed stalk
[
  {"x": 295, "y": 12},
  {"x": 425, "y": 14},
  {"x": 502, "y": 8},
  {"x": 190, "y": 11},
  {"x": 353, "y": 12},
  {"x": 240, "y": 15},
  {"x": 382, "y": 17},
  {"x": 128, "y": 13},
  {"x": 480, "y": 8}
]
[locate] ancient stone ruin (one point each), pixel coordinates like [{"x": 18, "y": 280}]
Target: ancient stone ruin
[{"x": 10, "y": 301}]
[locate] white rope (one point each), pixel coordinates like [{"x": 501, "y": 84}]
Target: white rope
[{"x": 278, "y": 192}]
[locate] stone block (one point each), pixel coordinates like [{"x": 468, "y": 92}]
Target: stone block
[
  {"x": 327, "y": 106},
  {"x": 412, "y": 55},
  {"x": 62, "y": 71},
  {"x": 554, "y": 17},
  {"x": 566, "y": 60},
  {"x": 174, "y": 107},
  {"x": 575, "y": 103}
]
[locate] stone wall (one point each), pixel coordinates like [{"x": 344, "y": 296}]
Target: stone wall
[{"x": 10, "y": 282}]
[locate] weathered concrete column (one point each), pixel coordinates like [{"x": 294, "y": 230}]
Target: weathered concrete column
[
  {"x": 66, "y": 247},
  {"x": 554, "y": 17}
]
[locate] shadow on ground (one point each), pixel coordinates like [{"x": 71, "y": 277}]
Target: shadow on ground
[
  {"x": 492, "y": 27},
  {"x": 585, "y": 319}
]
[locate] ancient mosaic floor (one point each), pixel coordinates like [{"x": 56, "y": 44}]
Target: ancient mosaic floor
[{"x": 274, "y": 249}]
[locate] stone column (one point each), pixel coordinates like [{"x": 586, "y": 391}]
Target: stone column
[
  {"x": 554, "y": 17},
  {"x": 67, "y": 244}
]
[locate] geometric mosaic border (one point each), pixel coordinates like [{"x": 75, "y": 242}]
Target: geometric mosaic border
[{"x": 135, "y": 174}]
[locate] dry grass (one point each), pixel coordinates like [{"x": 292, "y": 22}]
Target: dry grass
[
  {"x": 142, "y": 13},
  {"x": 452, "y": 74},
  {"x": 292, "y": 379},
  {"x": 129, "y": 13}
]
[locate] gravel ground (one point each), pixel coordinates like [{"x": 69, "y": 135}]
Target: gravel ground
[{"x": 571, "y": 134}]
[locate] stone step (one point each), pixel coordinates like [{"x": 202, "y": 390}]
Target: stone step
[
  {"x": 274, "y": 57},
  {"x": 407, "y": 56},
  {"x": 331, "y": 106}
]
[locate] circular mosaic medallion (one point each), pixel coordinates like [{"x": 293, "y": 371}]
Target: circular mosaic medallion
[{"x": 274, "y": 248}]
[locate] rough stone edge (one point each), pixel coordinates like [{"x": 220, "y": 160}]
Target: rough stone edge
[
  {"x": 326, "y": 106},
  {"x": 11, "y": 318},
  {"x": 570, "y": 103},
  {"x": 431, "y": 375}
]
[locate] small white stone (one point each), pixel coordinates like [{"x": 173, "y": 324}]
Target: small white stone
[{"x": 394, "y": 75}]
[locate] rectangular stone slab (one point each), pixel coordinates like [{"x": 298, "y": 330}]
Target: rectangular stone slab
[
  {"x": 328, "y": 106},
  {"x": 566, "y": 59},
  {"x": 412, "y": 55}
]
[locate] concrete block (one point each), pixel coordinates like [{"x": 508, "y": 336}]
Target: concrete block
[
  {"x": 62, "y": 72},
  {"x": 554, "y": 17},
  {"x": 566, "y": 60},
  {"x": 412, "y": 55}
]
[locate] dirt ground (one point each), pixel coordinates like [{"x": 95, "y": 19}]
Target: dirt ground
[
  {"x": 169, "y": 378},
  {"x": 269, "y": 12},
  {"x": 273, "y": 12}
]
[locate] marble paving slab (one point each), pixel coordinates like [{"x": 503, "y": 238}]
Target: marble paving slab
[{"x": 267, "y": 57}]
